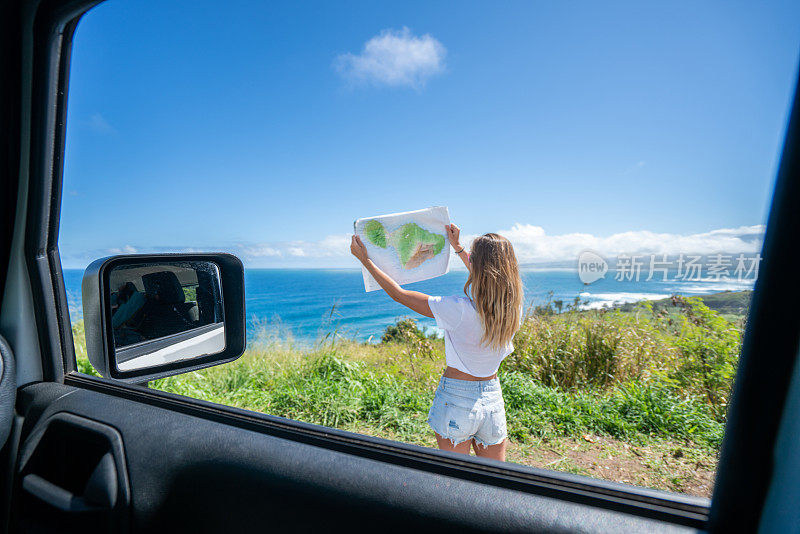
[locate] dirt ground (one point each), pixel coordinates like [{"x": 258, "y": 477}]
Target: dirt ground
[
  {"x": 665, "y": 465},
  {"x": 661, "y": 464}
]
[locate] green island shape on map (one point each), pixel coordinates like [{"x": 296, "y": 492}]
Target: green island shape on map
[
  {"x": 376, "y": 233},
  {"x": 413, "y": 243}
]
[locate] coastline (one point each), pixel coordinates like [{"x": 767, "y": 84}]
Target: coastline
[{"x": 307, "y": 303}]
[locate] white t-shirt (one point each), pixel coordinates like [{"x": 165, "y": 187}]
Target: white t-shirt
[{"x": 463, "y": 331}]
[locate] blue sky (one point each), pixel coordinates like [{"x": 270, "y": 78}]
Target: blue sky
[{"x": 265, "y": 129}]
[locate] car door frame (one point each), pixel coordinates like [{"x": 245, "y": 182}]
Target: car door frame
[{"x": 755, "y": 392}]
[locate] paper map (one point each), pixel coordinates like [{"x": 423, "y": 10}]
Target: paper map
[{"x": 409, "y": 246}]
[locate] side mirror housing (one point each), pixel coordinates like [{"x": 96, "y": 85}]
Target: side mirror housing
[{"x": 149, "y": 316}]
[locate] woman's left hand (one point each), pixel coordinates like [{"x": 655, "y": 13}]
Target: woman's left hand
[{"x": 358, "y": 249}]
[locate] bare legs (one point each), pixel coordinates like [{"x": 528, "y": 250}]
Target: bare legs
[
  {"x": 496, "y": 452},
  {"x": 447, "y": 445}
]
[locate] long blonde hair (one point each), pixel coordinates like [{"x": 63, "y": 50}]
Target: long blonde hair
[{"x": 496, "y": 288}]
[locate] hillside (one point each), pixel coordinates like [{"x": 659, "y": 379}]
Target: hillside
[{"x": 735, "y": 303}]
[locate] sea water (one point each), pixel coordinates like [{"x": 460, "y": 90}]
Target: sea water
[{"x": 308, "y": 304}]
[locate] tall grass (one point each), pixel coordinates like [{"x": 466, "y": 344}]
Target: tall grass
[{"x": 579, "y": 350}]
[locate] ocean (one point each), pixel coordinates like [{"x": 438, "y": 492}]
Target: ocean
[{"x": 307, "y": 304}]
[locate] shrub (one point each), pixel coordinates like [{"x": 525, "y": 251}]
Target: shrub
[
  {"x": 593, "y": 349},
  {"x": 415, "y": 345},
  {"x": 403, "y": 331},
  {"x": 710, "y": 346}
]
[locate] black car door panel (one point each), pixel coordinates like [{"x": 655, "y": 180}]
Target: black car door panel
[{"x": 189, "y": 473}]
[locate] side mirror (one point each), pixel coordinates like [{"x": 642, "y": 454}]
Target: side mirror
[{"x": 157, "y": 315}]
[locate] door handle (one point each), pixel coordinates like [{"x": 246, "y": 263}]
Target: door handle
[
  {"x": 100, "y": 492},
  {"x": 56, "y": 496}
]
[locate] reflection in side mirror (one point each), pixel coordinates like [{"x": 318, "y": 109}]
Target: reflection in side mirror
[
  {"x": 179, "y": 304},
  {"x": 150, "y": 316}
]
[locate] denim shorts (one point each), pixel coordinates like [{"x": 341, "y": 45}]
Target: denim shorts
[{"x": 465, "y": 409}]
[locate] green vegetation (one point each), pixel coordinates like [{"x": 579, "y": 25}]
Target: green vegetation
[
  {"x": 729, "y": 302},
  {"x": 376, "y": 233},
  {"x": 637, "y": 385},
  {"x": 414, "y": 244},
  {"x": 732, "y": 305},
  {"x": 190, "y": 293}
]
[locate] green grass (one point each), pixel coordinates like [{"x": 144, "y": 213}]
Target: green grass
[
  {"x": 334, "y": 389},
  {"x": 634, "y": 411}
]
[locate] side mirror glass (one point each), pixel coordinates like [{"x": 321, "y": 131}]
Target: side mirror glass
[{"x": 151, "y": 316}]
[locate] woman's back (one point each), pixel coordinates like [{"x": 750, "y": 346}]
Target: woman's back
[{"x": 463, "y": 334}]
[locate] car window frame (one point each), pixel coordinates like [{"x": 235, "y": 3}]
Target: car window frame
[{"x": 54, "y": 27}]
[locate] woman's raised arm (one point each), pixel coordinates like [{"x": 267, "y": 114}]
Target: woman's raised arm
[
  {"x": 411, "y": 299},
  {"x": 453, "y": 234}
]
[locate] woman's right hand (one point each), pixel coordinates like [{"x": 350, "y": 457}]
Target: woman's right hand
[
  {"x": 358, "y": 249},
  {"x": 453, "y": 233}
]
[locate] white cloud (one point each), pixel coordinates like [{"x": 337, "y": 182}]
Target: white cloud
[
  {"x": 394, "y": 58},
  {"x": 335, "y": 245},
  {"x": 259, "y": 251},
  {"x": 127, "y": 249},
  {"x": 99, "y": 124},
  {"x": 331, "y": 246},
  {"x": 533, "y": 245}
]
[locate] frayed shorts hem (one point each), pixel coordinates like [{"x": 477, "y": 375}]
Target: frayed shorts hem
[{"x": 455, "y": 442}]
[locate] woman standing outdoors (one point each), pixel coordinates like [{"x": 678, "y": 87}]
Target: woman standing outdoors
[{"x": 468, "y": 409}]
